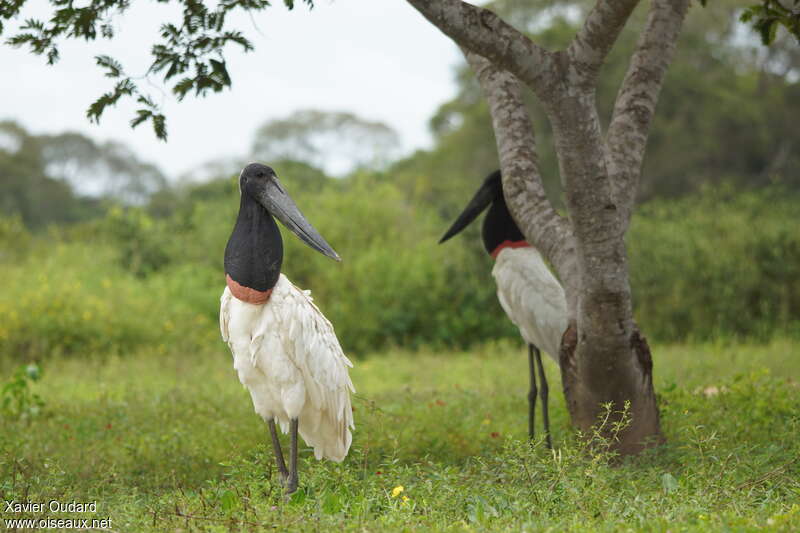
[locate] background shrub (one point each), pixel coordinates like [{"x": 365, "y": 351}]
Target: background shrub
[{"x": 716, "y": 264}]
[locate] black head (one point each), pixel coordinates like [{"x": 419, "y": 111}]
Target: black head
[
  {"x": 261, "y": 184},
  {"x": 498, "y": 226},
  {"x": 254, "y": 253},
  {"x": 252, "y": 174}
]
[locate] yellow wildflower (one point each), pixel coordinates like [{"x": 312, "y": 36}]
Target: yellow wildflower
[{"x": 397, "y": 490}]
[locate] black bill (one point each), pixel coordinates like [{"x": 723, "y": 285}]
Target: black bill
[
  {"x": 483, "y": 198},
  {"x": 278, "y": 202}
]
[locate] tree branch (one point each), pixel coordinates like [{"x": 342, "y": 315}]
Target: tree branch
[
  {"x": 589, "y": 48},
  {"x": 637, "y": 97},
  {"x": 522, "y": 182},
  {"x": 481, "y": 31}
]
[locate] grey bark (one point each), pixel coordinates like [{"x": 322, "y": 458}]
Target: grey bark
[
  {"x": 637, "y": 97},
  {"x": 604, "y": 358},
  {"x": 522, "y": 182},
  {"x": 599, "y": 32}
]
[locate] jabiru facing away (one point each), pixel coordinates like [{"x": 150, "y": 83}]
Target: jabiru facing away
[
  {"x": 284, "y": 350},
  {"x": 528, "y": 292}
]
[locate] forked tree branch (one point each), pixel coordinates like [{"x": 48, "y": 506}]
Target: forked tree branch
[
  {"x": 519, "y": 161},
  {"x": 481, "y": 31},
  {"x": 590, "y": 46},
  {"x": 636, "y": 101}
]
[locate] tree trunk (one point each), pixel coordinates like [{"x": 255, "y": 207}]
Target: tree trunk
[
  {"x": 609, "y": 362},
  {"x": 629, "y": 390},
  {"x": 605, "y": 361}
]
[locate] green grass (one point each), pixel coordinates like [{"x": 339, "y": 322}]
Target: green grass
[{"x": 170, "y": 442}]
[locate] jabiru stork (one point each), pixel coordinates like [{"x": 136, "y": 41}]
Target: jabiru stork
[
  {"x": 528, "y": 292},
  {"x": 285, "y": 351}
]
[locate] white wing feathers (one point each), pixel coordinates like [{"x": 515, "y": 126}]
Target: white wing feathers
[
  {"x": 531, "y": 297},
  {"x": 224, "y": 314},
  {"x": 294, "y": 358}
]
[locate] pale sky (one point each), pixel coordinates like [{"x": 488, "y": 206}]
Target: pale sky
[{"x": 377, "y": 58}]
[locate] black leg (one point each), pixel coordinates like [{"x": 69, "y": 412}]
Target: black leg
[
  {"x": 276, "y": 446},
  {"x": 292, "y": 486},
  {"x": 532, "y": 392},
  {"x": 543, "y": 390}
]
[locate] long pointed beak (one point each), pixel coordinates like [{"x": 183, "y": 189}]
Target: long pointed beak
[
  {"x": 485, "y": 196},
  {"x": 278, "y": 202}
]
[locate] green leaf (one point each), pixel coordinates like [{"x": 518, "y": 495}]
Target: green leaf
[
  {"x": 228, "y": 500},
  {"x": 290, "y": 3},
  {"x": 298, "y": 497},
  {"x": 160, "y": 126},
  {"x": 141, "y": 116},
  {"x": 146, "y": 101},
  {"x": 331, "y": 504},
  {"x": 112, "y": 66},
  {"x": 767, "y": 28},
  {"x": 183, "y": 87},
  {"x": 52, "y": 55},
  {"x": 221, "y": 70}
]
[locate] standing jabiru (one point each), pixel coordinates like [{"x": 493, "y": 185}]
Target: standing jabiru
[
  {"x": 528, "y": 292},
  {"x": 284, "y": 350}
]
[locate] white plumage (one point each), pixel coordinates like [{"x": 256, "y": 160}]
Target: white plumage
[
  {"x": 287, "y": 355},
  {"x": 531, "y": 297}
]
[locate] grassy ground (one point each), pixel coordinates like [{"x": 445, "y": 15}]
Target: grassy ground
[{"x": 170, "y": 442}]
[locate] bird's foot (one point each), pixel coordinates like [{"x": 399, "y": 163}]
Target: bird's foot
[
  {"x": 291, "y": 486},
  {"x": 288, "y": 483}
]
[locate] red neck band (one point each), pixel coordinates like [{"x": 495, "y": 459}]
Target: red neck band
[
  {"x": 246, "y": 294},
  {"x": 508, "y": 244}
]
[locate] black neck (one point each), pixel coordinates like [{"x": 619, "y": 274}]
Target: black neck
[
  {"x": 254, "y": 252},
  {"x": 498, "y": 226}
]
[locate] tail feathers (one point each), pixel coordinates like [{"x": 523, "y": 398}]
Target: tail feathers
[
  {"x": 330, "y": 438},
  {"x": 328, "y": 434}
]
